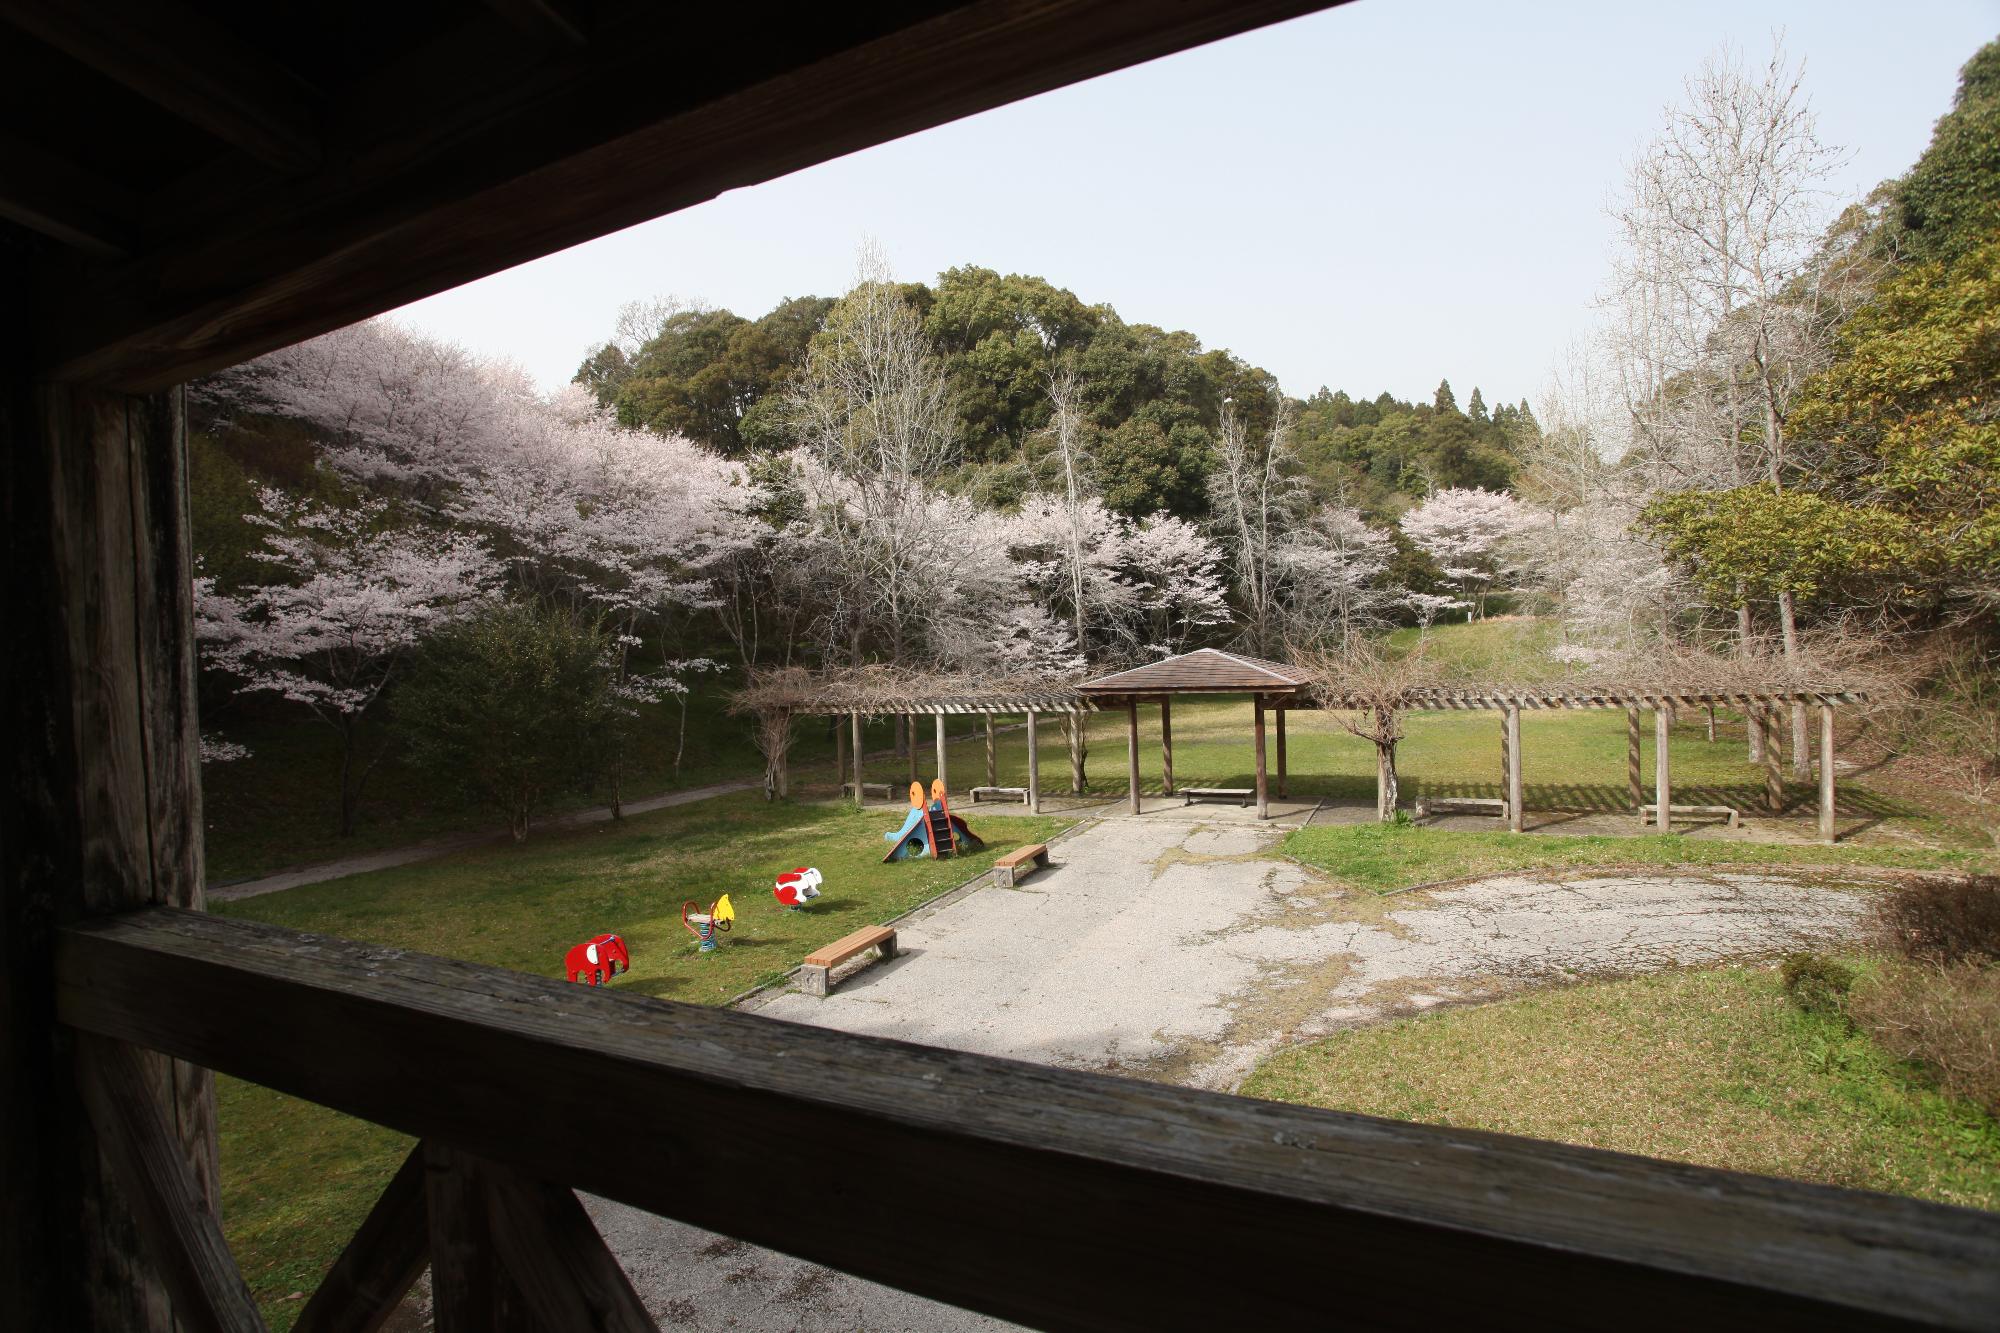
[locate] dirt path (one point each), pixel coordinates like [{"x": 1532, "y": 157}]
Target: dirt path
[
  {"x": 454, "y": 842},
  {"x": 1186, "y": 951}
]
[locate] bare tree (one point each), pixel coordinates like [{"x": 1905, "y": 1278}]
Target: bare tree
[
  {"x": 1366, "y": 691},
  {"x": 1256, "y": 494}
]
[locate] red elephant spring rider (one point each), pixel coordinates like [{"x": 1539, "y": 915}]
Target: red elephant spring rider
[
  {"x": 597, "y": 960},
  {"x": 796, "y": 889}
]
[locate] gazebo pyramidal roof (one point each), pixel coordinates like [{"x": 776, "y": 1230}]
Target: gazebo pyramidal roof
[{"x": 1203, "y": 671}]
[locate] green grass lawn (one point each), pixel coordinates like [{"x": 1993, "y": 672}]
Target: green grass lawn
[
  {"x": 297, "y": 1178},
  {"x": 1385, "y": 857},
  {"x": 1716, "y": 1068}
]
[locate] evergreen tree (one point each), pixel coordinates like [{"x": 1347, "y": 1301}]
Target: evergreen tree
[
  {"x": 1476, "y": 409},
  {"x": 1950, "y": 200},
  {"x": 1444, "y": 401}
]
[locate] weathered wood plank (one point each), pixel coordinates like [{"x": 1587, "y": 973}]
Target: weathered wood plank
[
  {"x": 380, "y": 1263},
  {"x": 554, "y": 1256},
  {"x": 178, "y": 1227},
  {"x": 1122, "y": 1199},
  {"x": 472, "y": 1290}
]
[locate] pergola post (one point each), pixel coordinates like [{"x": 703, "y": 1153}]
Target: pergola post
[
  {"x": 940, "y": 750},
  {"x": 1034, "y": 762},
  {"x": 910, "y": 742},
  {"x": 1077, "y": 722},
  {"x": 1263, "y": 795},
  {"x": 1633, "y": 782},
  {"x": 1132, "y": 751},
  {"x": 839, "y": 752},
  {"x": 1167, "y": 742},
  {"x": 1663, "y": 797},
  {"x": 1284, "y": 785},
  {"x": 1774, "y": 778},
  {"x": 854, "y": 724},
  {"x": 1801, "y": 742},
  {"x": 992, "y": 755},
  {"x": 1515, "y": 821},
  {"x": 1826, "y": 833}
]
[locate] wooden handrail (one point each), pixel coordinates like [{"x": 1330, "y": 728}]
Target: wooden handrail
[{"x": 1053, "y": 1197}]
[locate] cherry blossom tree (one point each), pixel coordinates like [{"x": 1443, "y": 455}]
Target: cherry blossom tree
[
  {"x": 1464, "y": 528},
  {"x": 1182, "y": 583},
  {"x": 1256, "y": 494},
  {"x": 1334, "y": 566},
  {"x": 353, "y": 596}
]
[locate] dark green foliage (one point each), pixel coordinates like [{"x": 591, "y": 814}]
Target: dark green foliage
[
  {"x": 1817, "y": 984},
  {"x": 1381, "y": 454},
  {"x": 1950, "y": 200},
  {"x": 1945, "y": 921},
  {"x": 513, "y": 706}
]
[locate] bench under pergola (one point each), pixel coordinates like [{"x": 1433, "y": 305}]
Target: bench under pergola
[{"x": 1278, "y": 688}]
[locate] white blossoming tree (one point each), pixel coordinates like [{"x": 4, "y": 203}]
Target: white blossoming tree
[{"x": 1464, "y": 529}]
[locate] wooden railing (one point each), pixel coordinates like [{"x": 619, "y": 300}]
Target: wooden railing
[{"x": 1056, "y": 1198}]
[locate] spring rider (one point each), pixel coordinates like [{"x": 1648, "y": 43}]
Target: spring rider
[{"x": 703, "y": 925}]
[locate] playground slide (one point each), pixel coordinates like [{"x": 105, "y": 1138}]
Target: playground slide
[{"x": 901, "y": 842}]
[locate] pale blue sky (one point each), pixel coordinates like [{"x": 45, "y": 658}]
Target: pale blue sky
[{"x": 1367, "y": 198}]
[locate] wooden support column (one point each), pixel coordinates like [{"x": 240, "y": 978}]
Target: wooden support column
[
  {"x": 839, "y": 752},
  {"x": 103, "y": 814},
  {"x": 471, "y": 1291},
  {"x": 1633, "y": 783},
  {"x": 854, "y": 722},
  {"x": 1663, "y": 797},
  {"x": 1034, "y": 762},
  {"x": 1167, "y": 742},
  {"x": 1711, "y": 724},
  {"x": 940, "y": 752},
  {"x": 909, "y": 743},
  {"x": 1801, "y": 743},
  {"x": 1077, "y": 736},
  {"x": 1132, "y": 751},
  {"x": 1515, "y": 819},
  {"x": 1263, "y": 792},
  {"x": 1284, "y": 778},
  {"x": 1826, "y": 829},
  {"x": 992, "y": 755},
  {"x": 1774, "y": 778}
]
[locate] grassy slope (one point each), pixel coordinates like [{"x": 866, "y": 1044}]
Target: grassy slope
[
  {"x": 1717, "y": 1068},
  {"x": 299, "y": 1178}
]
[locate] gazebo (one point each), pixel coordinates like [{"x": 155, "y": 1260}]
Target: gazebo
[{"x": 1278, "y": 687}]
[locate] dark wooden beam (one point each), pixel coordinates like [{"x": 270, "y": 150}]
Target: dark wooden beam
[
  {"x": 555, "y": 1257},
  {"x": 585, "y": 146},
  {"x": 50, "y": 195},
  {"x": 1053, "y": 1197},
  {"x": 381, "y": 1262},
  {"x": 544, "y": 20},
  {"x": 185, "y": 62}
]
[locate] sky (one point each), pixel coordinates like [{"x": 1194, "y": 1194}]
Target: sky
[{"x": 1370, "y": 198}]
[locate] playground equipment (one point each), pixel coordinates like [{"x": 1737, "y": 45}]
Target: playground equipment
[
  {"x": 597, "y": 960},
  {"x": 797, "y": 888},
  {"x": 930, "y": 827},
  {"x": 721, "y": 914}
]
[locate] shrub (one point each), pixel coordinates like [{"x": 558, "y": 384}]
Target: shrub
[
  {"x": 1946, "y": 1018},
  {"x": 1817, "y": 984},
  {"x": 1944, "y": 921}
]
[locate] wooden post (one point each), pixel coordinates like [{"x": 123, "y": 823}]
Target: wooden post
[
  {"x": 1774, "y": 779},
  {"x": 1167, "y": 742},
  {"x": 1711, "y": 724},
  {"x": 1515, "y": 821},
  {"x": 103, "y": 814},
  {"x": 1633, "y": 784},
  {"x": 839, "y": 752},
  {"x": 1284, "y": 783},
  {"x": 1663, "y": 797},
  {"x": 854, "y": 721},
  {"x": 1506, "y": 756},
  {"x": 1132, "y": 750},
  {"x": 1077, "y": 723},
  {"x": 910, "y": 743},
  {"x": 1801, "y": 743},
  {"x": 1826, "y": 831},
  {"x": 471, "y": 1291},
  {"x": 1263, "y": 794},
  {"x": 940, "y": 751},
  {"x": 992, "y": 755},
  {"x": 1034, "y": 762}
]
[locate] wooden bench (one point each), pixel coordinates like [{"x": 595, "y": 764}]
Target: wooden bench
[
  {"x": 1462, "y": 805},
  {"x": 819, "y": 964},
  {"x": 1726, "y": 813},
  {"x": 1240, "y": 795},
  {"x": 868, "y": 789},
  {"x": 1000, "y": 794},
  {"x": 1018, "y": 865}
]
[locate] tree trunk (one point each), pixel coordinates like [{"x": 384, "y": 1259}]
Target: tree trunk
[{"x": 1386, "y": 786}]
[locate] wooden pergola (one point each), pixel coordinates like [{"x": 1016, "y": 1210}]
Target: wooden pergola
[
  {"x": 1278, "y": 688},
  {"x": 188, "y": 184}
]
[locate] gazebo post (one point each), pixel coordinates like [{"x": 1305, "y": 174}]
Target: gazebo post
[
  {"x": 1515, "y": 821},
  {"x": 909, "y": 740},
  {"x": 940, "y": 749},
  {"x": 1283, "y": 782},
  {"x": 839, "y": 752},
  {"x": 1632, "y": 782},
  {"x": 1132, "y": 749},
  {"x": 1167, "y": 742},
  {"x": 1034, "y": 763},
  {"x": 1826, "y": 833},
  {"x": 854, "y": 721},
  {"x": 1662, "y": 785},
  {"x": 1263, "y": 795},
  {"x": 992, "y": 755},
  {"x": 1774, "y": 778}
]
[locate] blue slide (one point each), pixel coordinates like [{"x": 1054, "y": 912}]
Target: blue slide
[{"x": 914, "y": 838}]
